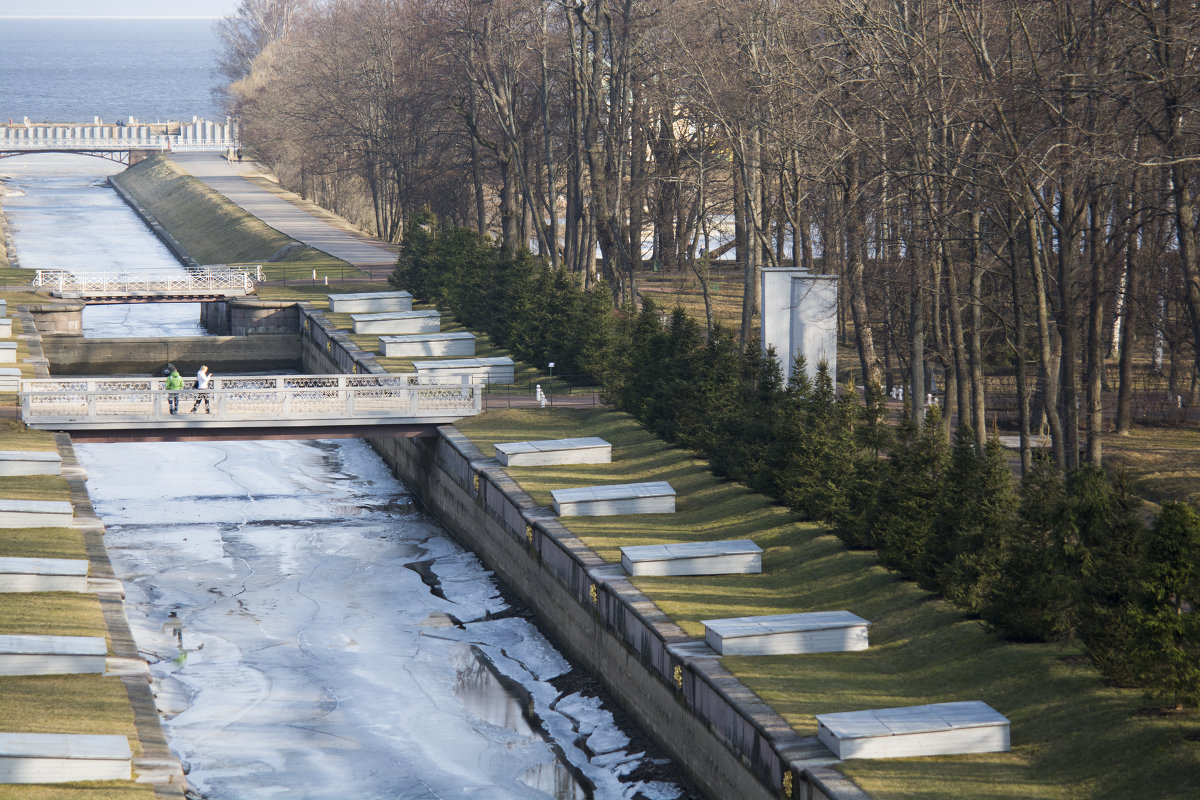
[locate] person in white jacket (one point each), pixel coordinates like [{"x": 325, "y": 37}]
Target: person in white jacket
[{"x": 202, "y": 379}]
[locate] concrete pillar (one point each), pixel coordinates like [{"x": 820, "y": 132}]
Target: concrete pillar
[
  {"x": 799, "y": 317},
  {"x": 208, "y": 132}
]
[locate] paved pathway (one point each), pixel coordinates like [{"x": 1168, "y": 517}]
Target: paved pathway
[{"x": 291, "y": 215}]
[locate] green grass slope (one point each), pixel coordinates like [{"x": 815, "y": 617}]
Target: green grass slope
[
  {"x": 1073, "y": 736},
  {"x": 210, "y": 227}
]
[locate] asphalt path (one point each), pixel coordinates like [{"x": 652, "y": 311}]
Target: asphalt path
[{"x": 289, "y": 214}]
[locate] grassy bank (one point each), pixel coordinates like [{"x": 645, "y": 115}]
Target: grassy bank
[
  {"x": 1073, "y": 736},
  {"x": 211, "y": 228}
]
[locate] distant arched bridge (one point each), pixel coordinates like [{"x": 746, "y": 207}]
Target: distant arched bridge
[{"x": 125, "y": 143}]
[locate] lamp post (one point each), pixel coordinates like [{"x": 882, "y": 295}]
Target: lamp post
[{"x": 550, "y": 382}]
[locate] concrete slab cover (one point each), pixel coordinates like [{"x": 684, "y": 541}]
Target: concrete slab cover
[
  {"x": 935, "y": 729},
  {"x": 35, "y": 506},
  {"x": 30, "y": 462},
  {"x": 370, "y": 301},
  {"x": 64, "y": 745},
  {"x": 30, "y": 644},
  {"x": 44, "y": 566}
]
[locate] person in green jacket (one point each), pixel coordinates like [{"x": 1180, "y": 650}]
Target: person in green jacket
[{"x": 174, "y": 384}]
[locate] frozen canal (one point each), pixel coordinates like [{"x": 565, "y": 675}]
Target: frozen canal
[
  {"x": 62, "y": 215},
  {"x": 311, "y": 635}
]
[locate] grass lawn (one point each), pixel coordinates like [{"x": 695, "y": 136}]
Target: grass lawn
[
  {"x": 51, "y": 614},
  {"x": 66, "y": 704},
  {"x": 15, "y": 436},
  {"x": 1073, "y": 736},
  {"x": 1161, "y": 464},
  {"x": 93, "y": 790},
  {"x": 42, "y": 543}
]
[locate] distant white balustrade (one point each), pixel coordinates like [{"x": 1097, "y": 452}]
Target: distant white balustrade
[
  {"x": 397, "y": 322},
  {"x": 931, "y": 730},
  {"x": 654, "y": 497},
  {"x": 428, "y": 345},
  {"x": 581, "y": 450},
  {"x": 733, "y": 557},
  {"x": 240, "y": 401},
  {"x": 787, "y": 634},
  {"x": 197, "y": 135},
  {"x": 200, "y": 281},
  {"x": 370, "y": 302}
]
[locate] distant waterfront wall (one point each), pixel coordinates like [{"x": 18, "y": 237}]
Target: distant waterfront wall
[{"x": 75, "y": 355}]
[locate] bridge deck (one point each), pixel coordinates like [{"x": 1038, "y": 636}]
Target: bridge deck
[{"x": 326, "y": 402}]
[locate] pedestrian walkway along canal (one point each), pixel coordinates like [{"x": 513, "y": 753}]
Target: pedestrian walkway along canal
[{"x": 310, "y": 633}]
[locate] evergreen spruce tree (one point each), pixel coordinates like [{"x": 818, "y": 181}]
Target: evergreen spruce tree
[
  {"x": 1109, "y": 537},
  {"x": 411, "y": 271},
  {"x": 1031, "y": 596},
  {"x": 1166, "y": 647},
  {"x": 977, "y": 508}
]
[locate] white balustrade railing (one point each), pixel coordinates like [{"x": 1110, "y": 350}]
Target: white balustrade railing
[
  {"x": 203, "y": 280},
  {"x": 286, "y": 400},
  {"x": 109, "y": 144}
]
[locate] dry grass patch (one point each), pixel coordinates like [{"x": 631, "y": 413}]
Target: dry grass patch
[
  {"x": 1073, "y": 736},
  {"x": 1161, "y": 464},
  {"x": 84, "y": 790},
  {"x": 89, "y": 704},
  {"x": 15, "y": 436},
  {"x": 51, "y": 614},
  {"x": 42, "y": 543},
  {"x": 34, "y": 487}
]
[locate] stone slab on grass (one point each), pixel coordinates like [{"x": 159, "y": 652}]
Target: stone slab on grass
[
  {"x": 428, "y": 345},
  {"x": 398, "y": 322},
  {"x": 43, "y": 575},
  {"x": 64, "y": 758},
  {"x": 370, "y": 302},
  {"x": 10, "y": 378},
  {"x": 654, "y": 497},
  {"x": 30, "y": 462},
  {"x": 499, "y": 369},
  {"x": 582, "y": 450},
  {"x": 35, "y": 513},
  {"x": 52, "y": 655},
  {"x": 787, "y": 634},
  {"x": 730, "y": 557},
  {"x": 8, "y": 352},
  {"x": 931, "y": 730}
]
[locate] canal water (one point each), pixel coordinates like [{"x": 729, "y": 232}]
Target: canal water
[{"x": 310, "y": 632}]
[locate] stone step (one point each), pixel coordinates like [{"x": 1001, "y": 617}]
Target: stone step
[
  {"x": 64, "y": 758},
  {"x": 397, "y": 322},
  {"x": 427, "y": 345},
  {"x": 51, "y": 655},
  {"x": 43, "y": 575},
  {"x": 931, "y": 730},
  {"x": 30, "y": 462},
  {"x": 368, "y": 302},
  {"x": 731, "y": 557},
  {"x": 499, "y": 369},
  {"x": 787, "y": 634},
  {"x": 35, "y": 513},
  {"x": 655, "y": 497},
  {"x": 582, "y": 450}
]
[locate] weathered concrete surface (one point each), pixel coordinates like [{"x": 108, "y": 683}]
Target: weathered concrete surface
[
  {"x": 75, "y": 355},
  {"x": 244, "y": 316}
]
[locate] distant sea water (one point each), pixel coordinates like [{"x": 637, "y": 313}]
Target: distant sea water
[{"x": 71, "y": 70}]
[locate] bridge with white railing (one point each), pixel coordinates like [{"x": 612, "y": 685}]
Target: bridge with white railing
[
  {"x": 125, "y": 143},
  {"x": 214, "y": 282},
  {"x": 245, "y": 407}
]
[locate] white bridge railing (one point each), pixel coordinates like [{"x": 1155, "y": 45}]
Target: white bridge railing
[
  {"x": 243, "y": 401},
  {"x": 110, "y": 144},
  {"x": 205, "y": 280}
]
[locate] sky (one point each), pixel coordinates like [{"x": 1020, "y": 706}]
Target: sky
[{"x": 116, "y": 8}]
